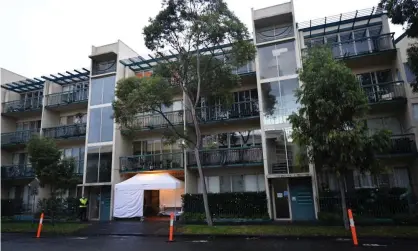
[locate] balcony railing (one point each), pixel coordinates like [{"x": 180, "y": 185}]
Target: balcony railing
[
  {"x": 403, "y": 144},
  {"x": 156, "y": 121},
  {"x": 284, "y": 168},
  {"x": 104, "y": 67},
  {"x": 19, "y": 137},
  {"x": 239, "y": 110},
  {"x": 17, "y": 172},
  {"x": 227, "y": 157},
  {"x": 23, "y": 105},
  {"x": 384, "y": 91},
  {"x": 362, "y": 46},
  {"x": 151, "y": 162},
  {"x": 66, "y": 131},
  {"x": 65, "y": 98}
]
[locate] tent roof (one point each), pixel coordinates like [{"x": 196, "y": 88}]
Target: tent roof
[{"x": 151, "y": 181}]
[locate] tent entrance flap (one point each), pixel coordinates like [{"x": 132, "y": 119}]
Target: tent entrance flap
[{"x": 129, "y": 194}]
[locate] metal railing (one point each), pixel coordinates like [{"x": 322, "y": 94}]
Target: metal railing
[
  {"x": 228, "y": 156},
  {"x": 66, "y": 131},
  {"x": 17, "y": 172},
  {"x": 384, "y": 91},
  {"x": 373, "y": 207},
  {"x": 19, "y": 137},
  {"x": 402, "y": 144},
  {"x": 151, "y": 162},
  {"x": 246, "y": 109},
  {"x": 28, "y": 104},
  {"x": 104, "y": 67},
  {"x": 65, "y": 98},
  {"x": 244, "y": 69},
  {"x": 361, "y": 46},
  {"x": 156, "y": 120},
  {"x": 283, "y": 168}
]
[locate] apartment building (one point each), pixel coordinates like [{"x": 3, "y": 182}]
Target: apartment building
[{"x": 246, "y": 147}]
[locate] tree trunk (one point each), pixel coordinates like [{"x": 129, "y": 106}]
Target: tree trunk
[
  {"x": 343, "y": 202},
  {"x": 204, "y": 191}
]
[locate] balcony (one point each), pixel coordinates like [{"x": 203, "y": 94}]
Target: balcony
[
  {"x": 403, "y": 144},
  {"x": 66, "y": 132},
  {"x": 151, "y": 162},
  {"x": 67, "y": 98},
  {"x": 283, "y": 168},
  {"x": 17, "y": 172},
  {"x": 17, "y": 138},
  {"x": 156, "y": 121},
  {"x": 384, "y": 92},
  {"x": 249, "y": 156},
  {"x": 236, "y": 111},
  {"x": 23, "y": 105},
  {"x": 363, "y": 46}
]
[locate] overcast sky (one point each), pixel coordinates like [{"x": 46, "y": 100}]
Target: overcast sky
[{"x": 42, "y": 37}]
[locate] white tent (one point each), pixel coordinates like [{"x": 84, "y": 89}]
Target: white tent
[{"x": 129, "y": 194}]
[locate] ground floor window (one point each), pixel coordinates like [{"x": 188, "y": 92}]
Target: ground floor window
[
  {"x": 234, "y": 183},
  {"x": 397, "y": 177}
]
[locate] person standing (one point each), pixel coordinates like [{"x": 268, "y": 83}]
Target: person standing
[{"x": 83, "y": 202}]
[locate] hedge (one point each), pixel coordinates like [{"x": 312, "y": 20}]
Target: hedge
[{"x": 244, "y": 205}]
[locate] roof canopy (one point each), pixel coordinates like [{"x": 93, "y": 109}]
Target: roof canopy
[
  {"x": 26, "y": 85},
  {"x": 343, "y": 18},
  {"x": 151, "y": 181},
  {"x": 69, "y": 77},
  {"x": 140, "y": 64}
]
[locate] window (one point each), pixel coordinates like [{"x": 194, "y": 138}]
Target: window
[
  {"x": 28, "y": 125},
  {"x": 277, "y": 60},
  {"x": 415, "y": 111},
  {"x": 410, "y": 77},
  {"x": 279, "y": 100},
  {"x": 234, "y": 183},
  {"x": 78, "y": 154},
  {"x": 99, "y": 164},
  {"x": 397, "y": 177},
  {"x": 20, "y": 159},
  {"x": 388, "y": 123},
  {"x": 232, "y": 139},
  {"x": 102, "y": 90},
  {"x": 101, "y": 125},
  {"x": 73, "y": 119}
]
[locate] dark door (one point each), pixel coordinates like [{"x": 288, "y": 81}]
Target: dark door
[
  {"x": 301, "y": 199},
  {"x": 105, "y": 203},
  {"x": 281, "y": 198}
]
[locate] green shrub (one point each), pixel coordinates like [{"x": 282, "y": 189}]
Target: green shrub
[
  {"x": 329, "y": 218},
  {"x": 58, "y": 208},
  {"x": 245, "y": 205}
]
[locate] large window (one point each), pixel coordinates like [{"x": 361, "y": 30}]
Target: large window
[
  {"x": 78, "y": 154},
  {"x": 102, "y": 90},
  {"x": 234, "y": 183},
  {"x": 101, "y": 125},
  {"x": 99, "y": 164},
  {"x": 397, "y": 177},
  {"x": 232, "y": 139},
  {"x": 28, "y": 125},
  {"x": 388, "y": 123},
  {"x": 279, "y": 100},
  {"x": 277, "y": 60},
  {"x": 410, "y": 77}
]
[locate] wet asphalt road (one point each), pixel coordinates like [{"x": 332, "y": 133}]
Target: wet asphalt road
[{"x": 131, "y": 243}]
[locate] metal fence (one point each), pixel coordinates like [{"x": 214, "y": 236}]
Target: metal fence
[
  {"x": 22, "y": 105},
  {"x": 371, "y": 207},
  {"x": 384, "y": 91},
  {"x": 19, "y": 137},
  {"x": 227, "y": 156},
  {"x": 246, "y": 109},
  {"x": 64, "y": 98},
  {"x": 67, "y": 131},
  {"x": 156, "y": 120},
  {"x": 151, "y": 162}
]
